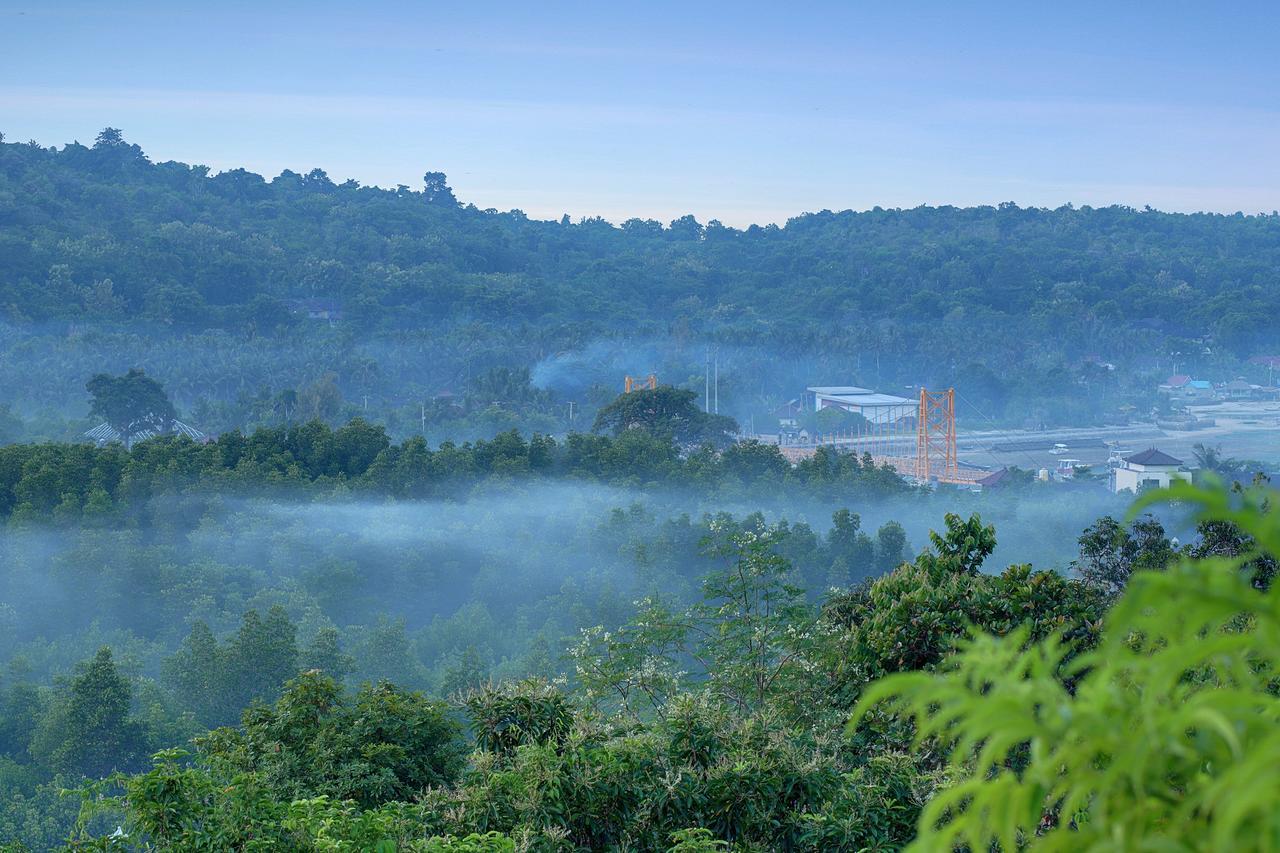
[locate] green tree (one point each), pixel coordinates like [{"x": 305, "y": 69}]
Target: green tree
[
  {"x": 1168, "y": 739},
  {"x": 325, "y": 655},
  {"x": 1110, "y": 552},
  {"x": 750, "y": 635},
  {"x": 260, "y": 658},
  {"x": 757, "y": 621},
  {"x": 216, "y": 681},
  {"x": 435, "y": 190},
  {"x": 109, "y": 137},
  {"x": 666, "y": 412},
  {"x": 196, "y": 674},
  {"x": 1217, "y": 538},
  {"x": 847, "y": 544},
  {"x": 915, "y": 616},
  {"x": 383, "y": 745},
  {"x": 130, "y": 404},
  {"x": 90, "y": 731},
  {"x": 508, "y": 716},
  {"x": 891, "y": 546}
]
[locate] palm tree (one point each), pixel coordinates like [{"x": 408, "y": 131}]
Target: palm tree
[
  {"x": 1211, "y": 459},
  {"x": 1207, "y": 458}
]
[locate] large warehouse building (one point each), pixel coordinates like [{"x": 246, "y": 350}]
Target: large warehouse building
[{"x": 875, "y": 407}]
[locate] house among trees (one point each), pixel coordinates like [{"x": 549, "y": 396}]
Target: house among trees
[
  {"x": 788, "y": 415},
  {"x": 1183, "y": 387},
  {"x": 1150, "y": 469}
]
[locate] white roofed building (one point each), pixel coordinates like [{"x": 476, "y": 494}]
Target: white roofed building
[
  {"x": 1150, "y": 469},
  {"x": 872, "y": 405}
]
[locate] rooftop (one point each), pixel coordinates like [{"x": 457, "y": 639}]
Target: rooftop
[
  {"x": 859, "y": 396},
  {"x": 1151, "y": 456},
  {"x": 839, "y": 390},
  {"x": 995, "y": 478},
  {"x": 104, "y": 433}
]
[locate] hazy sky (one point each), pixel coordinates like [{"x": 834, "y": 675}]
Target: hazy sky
[{"x": 742, "y": 112}]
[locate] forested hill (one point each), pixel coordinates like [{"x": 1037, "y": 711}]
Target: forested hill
[{"x": 102, "y": 233}]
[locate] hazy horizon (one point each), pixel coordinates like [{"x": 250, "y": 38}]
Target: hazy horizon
[{"x": 746, "y": 114}]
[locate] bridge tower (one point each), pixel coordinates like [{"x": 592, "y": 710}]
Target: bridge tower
[
  {"x": 936, "y": 437},
  {"x": 636, "y": 383}
]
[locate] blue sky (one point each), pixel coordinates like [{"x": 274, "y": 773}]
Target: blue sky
[{"x": 742, "y": 112}]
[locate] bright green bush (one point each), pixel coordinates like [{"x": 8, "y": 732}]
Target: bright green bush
[
  {"x": 381, "y": 745},
  {"x": 914, "y": 617},
  {"x": 1170, "y": 740}
]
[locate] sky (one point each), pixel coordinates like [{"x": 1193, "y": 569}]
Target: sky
[{"x": 743, "y": 112}]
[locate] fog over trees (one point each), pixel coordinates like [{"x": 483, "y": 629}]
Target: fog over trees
[{"x": 324, "y": 526}]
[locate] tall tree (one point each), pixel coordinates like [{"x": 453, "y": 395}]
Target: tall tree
[
  {"x": 666, "y": 412},
  {"x": 90, "y": 731},
  {"x": 1111, "y": 553},
  {"x": 891, "y": 546},
  {"x": 260, "y": 658},
  {"x": 435, "y": 188},
  {"x": 130, "y": 404}
]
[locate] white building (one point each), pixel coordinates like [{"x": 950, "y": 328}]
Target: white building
[
  {"x": 876, "y": 408},
  {"x": 1150, "y": 469}
]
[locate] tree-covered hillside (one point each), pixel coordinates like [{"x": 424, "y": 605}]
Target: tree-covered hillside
[
  {"x": 111, "y": 257},
  {"x": 180, "y": 245}
]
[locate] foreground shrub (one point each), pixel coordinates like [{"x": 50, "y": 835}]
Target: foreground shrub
[{"x": 1170, "y": 740}]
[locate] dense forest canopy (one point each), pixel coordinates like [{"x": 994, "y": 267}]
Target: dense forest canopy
[
  {"x": 401, "y": 303},
  {"x": 96, "y": 233}
]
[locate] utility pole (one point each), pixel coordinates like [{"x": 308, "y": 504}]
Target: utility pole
[
  {"x": 717, "y": 385},
  {"x": 423, "y": 409},
  {"x": 570, "y": 414}
]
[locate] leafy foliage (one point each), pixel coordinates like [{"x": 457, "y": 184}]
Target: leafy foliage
[
  {"x": 667, "y": 412},
  {"x": 76, "y": 480},
  {"x": 383, "y": 744},
  {"x": 507, "y": 717},
  {"x": 753, "y": 783},
  {"x": 219, "y": 681},
  {"x": 1110, "y": 553},
  {"x": 749, "y": 636},
  {"x": 914, "y": 617},
  {"x": 90, "y": 730},
  {"x": 131, "y": 403},
  {"x": 1169, "y": 738}
]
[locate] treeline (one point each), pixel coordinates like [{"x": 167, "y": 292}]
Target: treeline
[
  {"x": 41, "y": 481},
  {"x": 102, "y": 232}
]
